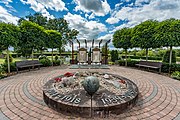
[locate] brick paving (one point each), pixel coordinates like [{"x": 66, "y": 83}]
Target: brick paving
[{"x": 21, "y": 95}]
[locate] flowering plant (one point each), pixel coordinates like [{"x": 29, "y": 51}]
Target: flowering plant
[
  {"x": 58, "y": 79},
  {"x": 68, "y": 74},
  {"x": 122, "y": 81}
]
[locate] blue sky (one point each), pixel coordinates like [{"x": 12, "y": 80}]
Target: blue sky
[{"x": 94, "y": 19}]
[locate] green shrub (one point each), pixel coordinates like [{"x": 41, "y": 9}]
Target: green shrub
[
  {"x": 42, "y": 57},
  {"x": 12, "y": 66},
  {"x": 166, "y": 57},
  {"x": 176, "y": 75},
  {"x": 46, "y": 62},
  {"x": 178, "y": 59},
  {"x": 143, "y": 57},
  {"x": 114, "y": 55},
  {"x": 174, "y": 67},
  {"x": 56, "y": 57},
  {"x": 130, "y": 63},
  {"x": 10, "y": 58},
  {"x": 56, "y": 62},
  {"x": 2, "y": 72},
  {"x": 111, "y": 63}
]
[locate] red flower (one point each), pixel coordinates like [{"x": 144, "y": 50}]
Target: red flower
[
  {"x": 68, "y": 74},
  {"x": 57, "y": 79},
  {"x": 122, "y": 81}
]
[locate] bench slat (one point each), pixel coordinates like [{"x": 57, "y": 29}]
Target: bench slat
[
  {"x": 27, "y": 63},
  {"x": 149, "y": 64}
]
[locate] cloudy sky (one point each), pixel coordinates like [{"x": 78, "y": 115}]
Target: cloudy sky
[{"x": 94, "y": 19}]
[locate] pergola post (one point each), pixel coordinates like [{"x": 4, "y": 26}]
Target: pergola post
[
  {"x": 85, "y": 43},
  {"x": 100, "y": 43},
  {"x": 93, "y": 43},
  {"x": 106, "y": 51},
  {"x": 106, "y": 55}
]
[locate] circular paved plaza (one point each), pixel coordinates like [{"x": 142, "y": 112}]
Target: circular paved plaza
[{"x": 21, "y": 95}]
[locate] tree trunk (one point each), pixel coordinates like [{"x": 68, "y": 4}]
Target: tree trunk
[
  {"x": 170, "y": 55},
  {"x": 72, "y": 53},
  {"x": 126, "y": 57},
  {"x": 8, "y": 61},
  {"x": 60, "y": 50},
  {"x": 52, "y": 56},
  {"x": 146, "y": 54},
  {"x": 32, "y": 54},
  {"x": 41, "y": 52},
  {"x": 170, "y": 59}
]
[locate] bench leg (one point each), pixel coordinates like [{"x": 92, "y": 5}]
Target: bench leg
[
  {"x": 38, "y": 67},
  {"x": 159, "y": 70},
  {"x": 17, "y": 70},
  {"x": 29, "y": 68}
]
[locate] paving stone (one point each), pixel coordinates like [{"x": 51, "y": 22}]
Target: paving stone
[{"x": 21, "y": 95}]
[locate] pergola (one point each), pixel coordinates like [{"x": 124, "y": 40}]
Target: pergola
[{"x": 93, "y": 43}]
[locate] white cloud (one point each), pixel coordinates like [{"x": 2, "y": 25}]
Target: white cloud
[
  {"x": 42, "y": 6},
  {"x": 156, "y": 9},
  {"x": 6, "y": 2},
  {"x": 139, "y": 2},
  {"x": 112, "y": 20},
  {"x": 97, "y": 7},
  {"x": 106, "y": 37},
  {"x": 6, "y": 17},
  {"x": 87, "y": 29}
]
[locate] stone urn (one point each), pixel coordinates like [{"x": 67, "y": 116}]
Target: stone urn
[{"x": 91, "y": 84}]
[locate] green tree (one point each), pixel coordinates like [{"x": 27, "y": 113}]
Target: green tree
[
  {"x": 54, "y": 40},
  {"x": 143, "y": 36},
  {"x": 114, "y": 55},
  {"x": 122, "y": 39},
  {"x": 33, "y": 37},
  {"x": 168, "y": 33},
  {"x": 9, "y": 35},
  {"x": 37, "y": 18},
  {"x": 61, "y": 25}
]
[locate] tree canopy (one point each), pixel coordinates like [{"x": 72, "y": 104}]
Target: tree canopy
[{"x": 33, "y": 36}]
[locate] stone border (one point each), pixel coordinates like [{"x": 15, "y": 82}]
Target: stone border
[{"x": 115, "y": 105}]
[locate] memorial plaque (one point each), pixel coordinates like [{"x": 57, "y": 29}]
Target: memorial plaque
[{"x": 67, "y": 95}]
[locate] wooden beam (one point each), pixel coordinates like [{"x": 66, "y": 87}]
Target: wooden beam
[
  {"x": 78, "y": 43},
  {"x": 93, "y": 43},
  {"x": 85, "y": 43},
  {"x": 100, "y": 43}
]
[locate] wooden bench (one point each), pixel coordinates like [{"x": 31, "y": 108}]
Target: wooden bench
[
  {"x": 149, "y": 64},
  {"x": 27, "y": 64}
]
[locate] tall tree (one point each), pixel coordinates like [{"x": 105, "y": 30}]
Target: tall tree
[
  {"x": 143, "y": 36},
  {"x": 37, "y": 18},
  {"x": 122, "y": 39},
  {"x": 33, "y": 36},
  {"x": 54, "y": 40},
  {"x": 9, "y": 35},
  {"x": 168, "y": 33},
  {"x": 61, "y": 25}
]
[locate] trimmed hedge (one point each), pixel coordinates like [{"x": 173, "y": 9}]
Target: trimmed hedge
[
  {"x": 177, "y": 59},
  {"x": 165, "y": 66},
  {"x": 130, "y": 63},
  {"x": 56, "y": 62},
  {"x": 143, "y": 57},
  {"x": 176, "y": 75},
  {"x": 45, "y": 61},
  {"x": 166, "y": 56},
  {"x": 174, "y": 67},
  {"x": 12, "y": 67}
]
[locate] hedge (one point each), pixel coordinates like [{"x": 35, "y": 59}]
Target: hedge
[
  {"x": 165, "y": 66},
  {"x": 142, "y": 57},
  {"x": 130, "y": 63}
]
